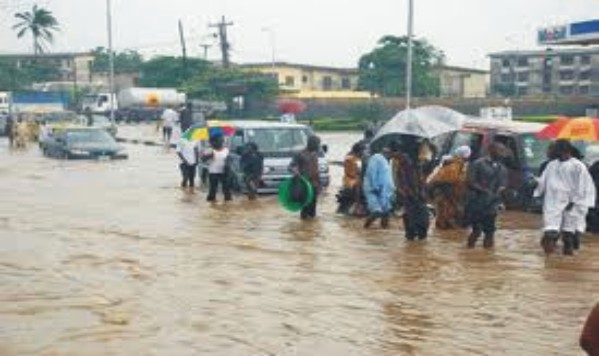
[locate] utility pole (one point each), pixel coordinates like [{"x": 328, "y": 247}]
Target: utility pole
[
  {"x": 410, "y": 53},
  {"x": 205, "y": 46},
  {"x": 225, "y": 46},
  {"x": 183, "y": 48},
  {"x": 111, "y": 58}
]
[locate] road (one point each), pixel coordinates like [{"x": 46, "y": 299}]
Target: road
[{"x": 112, "y": 258}]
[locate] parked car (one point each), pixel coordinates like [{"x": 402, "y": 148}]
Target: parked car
[
  {"x": 278, "y": 143},
  {"x": 98, "y": 121},
  {"x": 82, "y": 143},
  {"x": 525, "y": 153}
]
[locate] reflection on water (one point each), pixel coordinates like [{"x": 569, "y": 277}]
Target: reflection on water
[{"x": 112, "y": 258}]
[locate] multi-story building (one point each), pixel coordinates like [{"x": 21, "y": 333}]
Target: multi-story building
[
  {"x": 303, "y": 80},
  {"x": 460, "y": 82},
  {"x": 72, "y": 67},
  {"x": 551, "y": 72}
]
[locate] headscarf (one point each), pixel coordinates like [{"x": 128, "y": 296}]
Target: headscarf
[{"x": 463, "y": 151}]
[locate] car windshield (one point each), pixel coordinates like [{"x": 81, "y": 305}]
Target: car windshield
[
  {"x": 279, "y": 139},
  {"x": 89, "y": 99},
  {"x": 534, "y": 150},
  {"x": 88, "y": 136}
]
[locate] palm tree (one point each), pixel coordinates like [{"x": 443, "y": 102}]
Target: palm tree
[{"x": 41, "y": 23}]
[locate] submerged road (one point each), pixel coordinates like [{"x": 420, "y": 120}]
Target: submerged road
[{"x": 112, "y": 258}]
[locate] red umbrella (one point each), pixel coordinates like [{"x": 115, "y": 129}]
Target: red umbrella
[{"x": 291, "y": 106}]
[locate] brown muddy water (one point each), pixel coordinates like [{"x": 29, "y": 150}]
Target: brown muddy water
[{"x": 111, "y": 258}]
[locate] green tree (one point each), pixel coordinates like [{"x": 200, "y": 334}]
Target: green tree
[
  {"x": 383, "y": 70},
  {"x": 40, "y": 23},
  {"x": 127, "y": 61},
  {"x": 18, "y": 77},
  {"x": 219, "y": 83},
  {"x": 169, "y": 72}
]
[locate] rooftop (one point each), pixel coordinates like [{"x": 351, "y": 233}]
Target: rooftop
[
  {"x": 45, "y": 55},
  {"x": 464, "y": 69},
  {"x": 299, "y": 66},
  {"x": 540, "y": 52}
]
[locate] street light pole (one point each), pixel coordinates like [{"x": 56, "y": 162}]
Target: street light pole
[
  {"x": 272, "y": 38},
  {"x": 110, "y": 58},
  {"x": 410, "y": 53}
]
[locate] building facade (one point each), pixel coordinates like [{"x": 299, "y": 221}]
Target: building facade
[
  {"x": 551, "y": 72},
  {"x": 307, "y": 81},
  {"x": 72, "y": 67},
  {"x": 459, "y": 82}
]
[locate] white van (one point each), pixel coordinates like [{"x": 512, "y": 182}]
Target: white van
[{"x": 278, "y": 142}]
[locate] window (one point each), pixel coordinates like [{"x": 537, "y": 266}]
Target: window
[
  {"x": 533, "y": 150},
  {"x": 506, "y": 78},
  {"x": 523, "y": 77},
  {"x": 583, "y": 90},
  {"x": 566, "y": 90},
  {"x": 566, "y": 75},
  {"x": 304, "y": 79},
  {"x": 586, "y": 75},
  {"x": 511, "y": 158},
  {"x": 567, "y": 60},
  {"x": 522, "y": 91},
  {"x": 327, "y": 83},
  {"x": 523, "y": 62},
  {"x": 585, "y": 60},
  {"x": 346, "y": 83},
  {"x": 289, "y": 81},
  {"x": 471, "y": 139},
  {"x": 505, "y": 63}
]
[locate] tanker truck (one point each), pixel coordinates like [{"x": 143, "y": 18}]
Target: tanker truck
[{"x": 134, "y": 104}]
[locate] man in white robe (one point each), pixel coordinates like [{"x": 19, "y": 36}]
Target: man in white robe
[{"x": 569, "y": 192}]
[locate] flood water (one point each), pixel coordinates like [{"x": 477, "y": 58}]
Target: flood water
[{"x": 112, "y": 258}]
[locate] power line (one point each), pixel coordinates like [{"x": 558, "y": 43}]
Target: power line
[{"x": 225, "y": 46}]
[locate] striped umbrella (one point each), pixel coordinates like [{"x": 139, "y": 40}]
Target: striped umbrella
[
  {"x": 201, "y": 132},
  {"x": 576, "y": 129}
]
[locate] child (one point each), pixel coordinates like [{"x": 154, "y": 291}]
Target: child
[
  {"x": 188, "y": 153},
  {"x": 252, "y": 164}
]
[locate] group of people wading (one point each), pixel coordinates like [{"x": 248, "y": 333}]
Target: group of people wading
[{"x": 402, "y": 179}]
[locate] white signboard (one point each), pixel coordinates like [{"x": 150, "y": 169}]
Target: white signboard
[{"x": 503, "y": 113}]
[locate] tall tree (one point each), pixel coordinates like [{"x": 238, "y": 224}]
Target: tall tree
[
  {"x": 167, "y": 71},
  {"x": 383, "y": 70},
  {"x": 40, "y": 23}
]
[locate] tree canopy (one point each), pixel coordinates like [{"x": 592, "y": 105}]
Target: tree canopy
[
  {"x": 18, "y": 77},
  {"x": 127, "y": 61},
  {"x": 383, "y": 70},
  {"x": 41, "y": 23},
  {"x": 168, "y": 71}
]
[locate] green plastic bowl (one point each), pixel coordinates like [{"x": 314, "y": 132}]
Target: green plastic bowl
[{"x": 285, "y": 194}]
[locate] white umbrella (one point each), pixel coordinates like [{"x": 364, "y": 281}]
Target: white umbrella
[{"x": 426, "y": 122}]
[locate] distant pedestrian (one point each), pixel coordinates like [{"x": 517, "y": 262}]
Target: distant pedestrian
[
  {"x": 349, "y": 197},
  {"x": 379, "y": 188},
  {"x": 43, "y": 133},
  {"x": 589, "y": 338},
  {"x": 486, "y": 180},
  {"x": 305, "y": 164},
  {"x": 218, "y": 158},
  {"x": 186, "y": 116},
  {"x": 10, "y": 130},
  {"x": 21, "y": 133},
  {"x": 252, "y": 165},
  {"x": 189, "y": 156},
  {"x": 568, "y": 192},
  {"x": 169, "y": 118}
]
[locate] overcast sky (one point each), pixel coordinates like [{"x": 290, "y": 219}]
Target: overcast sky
[{"x": 323, "y": 32}]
